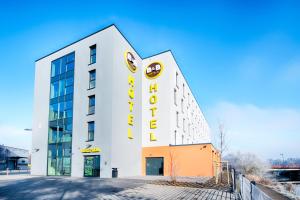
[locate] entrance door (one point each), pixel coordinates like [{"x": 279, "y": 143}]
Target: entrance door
[
  {"x": 91, "y": 166},
  {"x": 155, "y": 166}
]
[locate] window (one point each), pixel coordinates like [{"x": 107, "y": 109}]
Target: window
[
  {"x": 183, "y": 124},
  {"x": 177, "y": 80},
  {"x": 92, "y": 79},
  {"x": 183, "y": 90},
  {"x": 175, "y": 97},
  {"x": 182, "y": 138},
  {"x": 92, "y": 54},
  {"x": 189, "y": 100},
  {"x": 54, "y": 90},
  {"x": 177, "y": 118},
  {"x": 182, "y": 109},
  {"x": 91, "y": 105},
  {"x": 55, "y": 68},
  {"x": 91, "y": 130}
]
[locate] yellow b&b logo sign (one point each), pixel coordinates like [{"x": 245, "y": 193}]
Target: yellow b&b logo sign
[
  {"x": 130, "y": 61},
  {"x": 154, "y": 70}
]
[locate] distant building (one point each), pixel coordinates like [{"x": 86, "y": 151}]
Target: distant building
[
  {"x": 100, "y": 107},
  {"x": 13, "y": 158}
]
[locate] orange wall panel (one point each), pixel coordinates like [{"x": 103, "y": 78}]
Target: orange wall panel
[{"x": 185, "y": 160}]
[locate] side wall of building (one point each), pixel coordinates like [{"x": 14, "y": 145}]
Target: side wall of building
[
  {"x": 179, "y": 118},
  {"x": 103, "y": 105},
  {"x": 162, "y": 113},
  {"x": 126, "y": 152}
]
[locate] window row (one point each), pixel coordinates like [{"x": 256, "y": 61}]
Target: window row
[
  {"x": 62, "y": 65},
  {"x": 179, "y": 139},
  {"x": 56, "y": 136},
  {"x": 61, "y": 110},
  {"x": 188, "y": 125},
  {"x": 64, "y": 125},
  {"x": 92, "y": 102},
  {"x": 61, "y": 87},
  {"x": 58, "y": 166},
  {"x": 182, "y": 99},
  {"x": 183, "y": 91},
  {"x": 59, "y": 150}
]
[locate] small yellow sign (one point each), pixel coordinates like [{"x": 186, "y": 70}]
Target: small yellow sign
[{"x": 90, "y": 150}]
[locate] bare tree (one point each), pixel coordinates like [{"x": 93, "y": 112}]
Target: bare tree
[
  {"x": 173, "y": 167},
  {"x": 222, "y": 144},
  {"x": 248, "y": 163},
  {"x": 222, "y": 140}
]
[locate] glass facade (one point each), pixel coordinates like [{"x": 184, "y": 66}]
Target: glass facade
[{"x": 61, "y": 116}]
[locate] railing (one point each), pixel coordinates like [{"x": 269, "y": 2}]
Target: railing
[{"x": 248, "y": 189}]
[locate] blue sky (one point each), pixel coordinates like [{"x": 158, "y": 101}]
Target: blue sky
[{"x": 241, "y": 59}]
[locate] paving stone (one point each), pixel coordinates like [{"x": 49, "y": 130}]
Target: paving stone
[{"x": 52, "y": 188}]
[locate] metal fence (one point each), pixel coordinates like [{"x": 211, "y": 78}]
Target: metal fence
[{"x": 248, "y": 189}]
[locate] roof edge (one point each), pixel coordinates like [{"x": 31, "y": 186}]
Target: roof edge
[{"x": 162, "y": 52}]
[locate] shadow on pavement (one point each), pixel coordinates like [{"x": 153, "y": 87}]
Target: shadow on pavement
[{"x": 63, "y": 188}]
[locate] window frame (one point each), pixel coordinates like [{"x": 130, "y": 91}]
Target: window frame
[
  {"x": 177, "y": 119},
  {"x": 176, "y": 79},
  {"x": 92, "y": 80},
  {"x": 91, "y": 132},
  {"x": 175, "y": 96},
  {"x": 91, "y": 108},
  {"x": 93, "y": 54}
]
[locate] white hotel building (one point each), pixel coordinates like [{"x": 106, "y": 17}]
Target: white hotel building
[{"x": 97, "y": 104}]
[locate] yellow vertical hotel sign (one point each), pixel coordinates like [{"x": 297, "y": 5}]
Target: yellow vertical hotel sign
[
  {"x": 132, "y": 66},
  {"x": 153, "y": 71}
]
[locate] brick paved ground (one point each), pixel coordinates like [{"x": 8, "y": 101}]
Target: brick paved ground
[
  {"x": 52, "y": 188},
  {"x": 149, "y": 191}
]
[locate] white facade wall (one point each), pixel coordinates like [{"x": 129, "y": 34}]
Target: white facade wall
[
  {"x": 112, "y": 108},
  {"x": 190, "y": 127}
]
